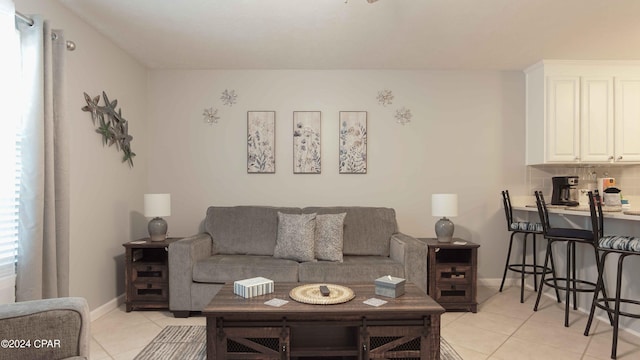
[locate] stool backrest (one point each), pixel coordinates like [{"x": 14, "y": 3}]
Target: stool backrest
[
  {"x": 543, "y": 213},
  {"x": 597, "y": 221},
  {"x": 508, "y": 212}
]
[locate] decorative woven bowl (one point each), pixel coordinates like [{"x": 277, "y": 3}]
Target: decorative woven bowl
[{"x": 310, "y": 294}]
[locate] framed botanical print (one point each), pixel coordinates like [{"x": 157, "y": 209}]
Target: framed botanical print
[
  {"x": 306, "y": 142},
  {"x": 353, "y": 142},
  {"x": 261, "y": 142}
]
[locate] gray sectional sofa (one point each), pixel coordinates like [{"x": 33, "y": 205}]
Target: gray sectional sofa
[{"x": 238, "y": 243}]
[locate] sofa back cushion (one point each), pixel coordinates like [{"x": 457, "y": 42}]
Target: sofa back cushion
[
  {"x": 367, "y": 230},
  {"x": 246, "y": 230}
]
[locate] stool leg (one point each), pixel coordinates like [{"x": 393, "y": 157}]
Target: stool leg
[
  {"x": 574, "y": 277},
  {"x": 553, "y": 273},
  {"x": 524, "y": 261},
  {"x": 541, "y": 287},
  {"x": 616, "y": 313},
  {"x": 599, "y": 286},
  {"x": 567, "y": 286},
  {"x": 604, "y": 288},
  {"x": 506, "y": 265},
  {"x": 535, "y": 265}
]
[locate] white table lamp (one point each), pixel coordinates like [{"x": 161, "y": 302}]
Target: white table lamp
[
  {"x": 156, "y": 206},
  {"x": 445, "y": 205}
]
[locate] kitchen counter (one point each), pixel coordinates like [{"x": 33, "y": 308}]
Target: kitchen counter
[
  {"x": 583, "y": 212},
  {"x": 528, "y": 203}
]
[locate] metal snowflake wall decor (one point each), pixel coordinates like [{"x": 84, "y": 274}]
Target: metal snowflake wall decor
[
  {"x": 385, "y": 97},
  {"x": 229, "y": 97},
  {"x": 111, "y": 125},
  {"x": 211, "y": 116},
  {"x": 403, "y": 116}
]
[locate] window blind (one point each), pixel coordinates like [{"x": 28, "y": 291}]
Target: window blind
[
  {"x": 10, "y": 163},
  {"x": 9, "y": 211}
]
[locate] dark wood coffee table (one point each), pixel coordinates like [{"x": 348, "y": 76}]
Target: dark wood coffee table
[{"x": 404, "y": 327}]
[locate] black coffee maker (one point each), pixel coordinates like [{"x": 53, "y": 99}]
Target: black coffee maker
[{"x": 562, "y": 194}]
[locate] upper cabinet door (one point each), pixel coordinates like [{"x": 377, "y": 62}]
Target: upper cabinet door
[
  {"x": 563, "y": 119},
  {"x": 627, "y": 119},
  {"x": 596, "y": 119}
]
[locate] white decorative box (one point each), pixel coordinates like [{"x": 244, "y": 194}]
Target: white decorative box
[
  {"x": 390, "y": 286},
  {"x": 256, "y": 286}
]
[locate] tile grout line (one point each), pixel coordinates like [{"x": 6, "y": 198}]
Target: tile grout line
[{"x": 509, "y": 337}]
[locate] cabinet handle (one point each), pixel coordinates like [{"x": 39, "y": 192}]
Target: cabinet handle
[
  {"x": 577, "y": 158},
  {"x": 620, "y": 157},
  {"x": 611, "y": 158}
]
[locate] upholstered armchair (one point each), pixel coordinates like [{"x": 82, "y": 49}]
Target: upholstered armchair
[{"x": 45, "y": 329}]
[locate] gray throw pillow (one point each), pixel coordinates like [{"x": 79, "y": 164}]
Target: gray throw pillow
[
  {"x": 329, "y": 231},
  {"x": 295, "y": 237}
]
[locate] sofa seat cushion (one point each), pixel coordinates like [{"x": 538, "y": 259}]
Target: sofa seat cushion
[
  {"x": 229, "y": 268},
  {"x": 352, "y": 269}
]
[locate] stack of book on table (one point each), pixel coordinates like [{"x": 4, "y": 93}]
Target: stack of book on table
[{"x": 253, "y": 287}]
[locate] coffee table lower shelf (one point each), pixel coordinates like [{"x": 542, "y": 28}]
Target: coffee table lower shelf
[{"x": 408, "y": 328}]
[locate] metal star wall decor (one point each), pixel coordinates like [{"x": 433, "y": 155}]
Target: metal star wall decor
[
  {"x": 211, "y": 116},
  {"x": 385, "y": 97},
  {"x": 229, "y": 97},
  {"x": 403, "y": 116},
  {"x": 111, "y": 125}
]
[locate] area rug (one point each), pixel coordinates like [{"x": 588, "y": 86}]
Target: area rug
[{"x": 188, "y": 343}]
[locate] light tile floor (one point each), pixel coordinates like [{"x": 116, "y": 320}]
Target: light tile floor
[{"x": 503, "y": 328}]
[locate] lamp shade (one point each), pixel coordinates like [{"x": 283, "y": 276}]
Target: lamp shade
[
  {"x": 157, "y": 205},
  {"x": 444, "y": 205}
]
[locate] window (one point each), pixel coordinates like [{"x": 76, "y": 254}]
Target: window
[{"x": 9, "y": 152}]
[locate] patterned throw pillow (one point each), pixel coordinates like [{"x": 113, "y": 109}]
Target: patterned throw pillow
[
  {"x": 329, "y": 231},
  {"x": 295, "y": 239}
]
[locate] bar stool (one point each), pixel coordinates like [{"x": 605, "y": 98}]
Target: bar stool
[
  {"x": 523, "y": 268},
  {"x": 611, "y": 244},
  {"x": 571, "y": 237}
]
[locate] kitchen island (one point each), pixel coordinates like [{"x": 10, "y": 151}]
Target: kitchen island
[{"x": 614, "y": 223}]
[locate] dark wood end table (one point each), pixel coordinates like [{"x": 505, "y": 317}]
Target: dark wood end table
[
  {"x": 453, "y": 273},
  {"x": 147, "y": 274}
]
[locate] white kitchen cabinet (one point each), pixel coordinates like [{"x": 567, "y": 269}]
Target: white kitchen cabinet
[
  {"x": 575, "y": 114},
  {"x": 627, "y": 119},
  {"x": 563, "y": 119},
  {"x": 596, "y": 119}
]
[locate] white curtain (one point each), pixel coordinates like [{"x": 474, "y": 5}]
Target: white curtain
[{"x": 43, "y": 252}]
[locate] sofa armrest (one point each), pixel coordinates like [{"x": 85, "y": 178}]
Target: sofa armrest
[
  {"x": 413, "y": 254},
  {"x": 56, "y": 328},
  {"x": 183, "y": 254}
]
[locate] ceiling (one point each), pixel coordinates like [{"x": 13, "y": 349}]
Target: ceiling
[{"x": 387, "y": 34}]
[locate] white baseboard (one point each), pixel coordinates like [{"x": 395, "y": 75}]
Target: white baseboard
[{"x": 106, "y": 308}]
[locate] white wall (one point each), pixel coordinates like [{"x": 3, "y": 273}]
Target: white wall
[
  {"x": 466, "y": 136},
  {"x": 106, "y": 195}
]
